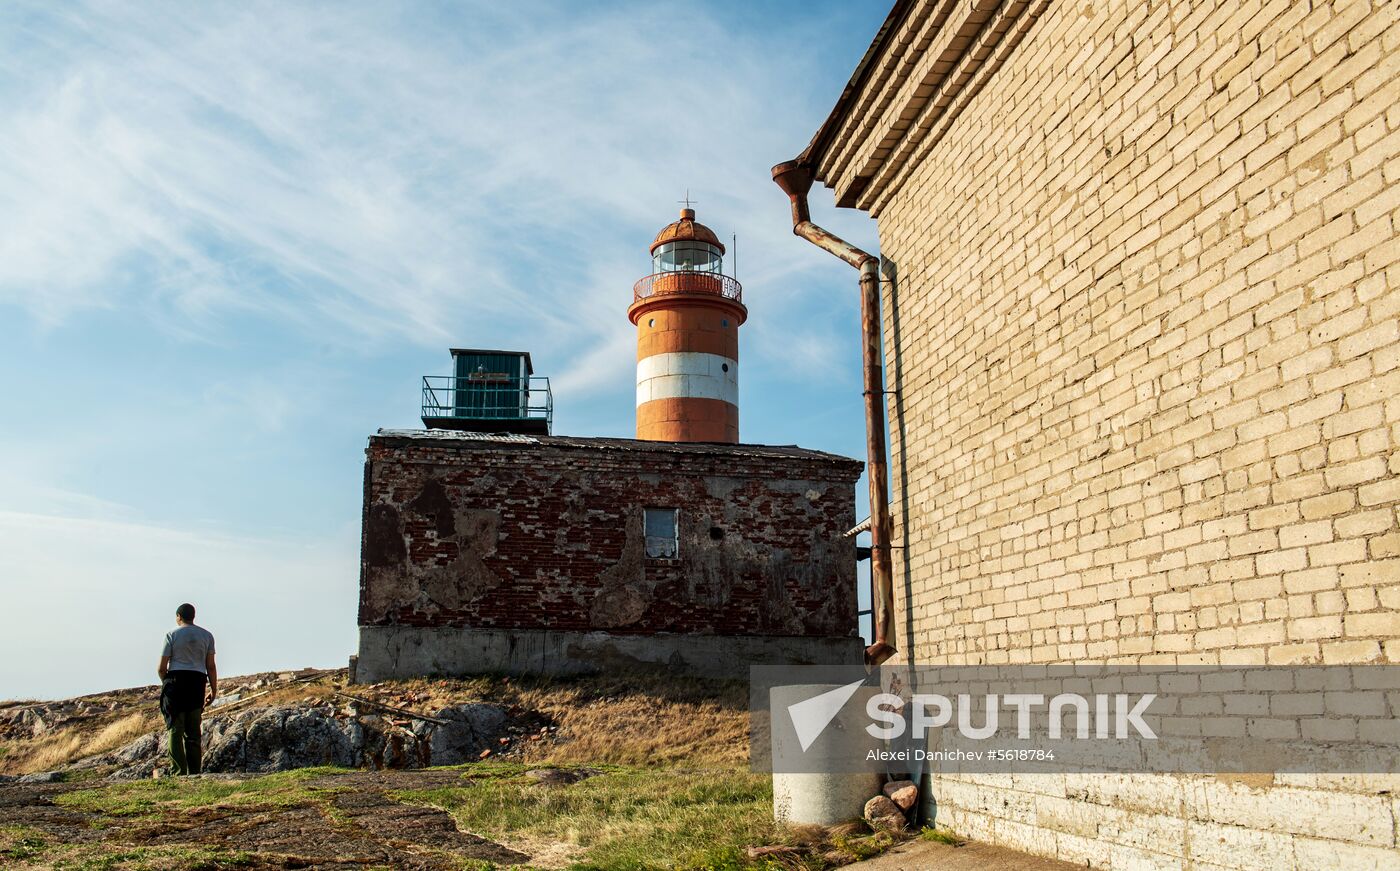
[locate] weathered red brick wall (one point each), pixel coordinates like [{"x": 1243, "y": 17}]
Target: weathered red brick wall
[{"x": 548, "y": 534}]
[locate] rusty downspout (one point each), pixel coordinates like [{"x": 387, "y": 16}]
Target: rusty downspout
[{"x": 796, "y": 180}]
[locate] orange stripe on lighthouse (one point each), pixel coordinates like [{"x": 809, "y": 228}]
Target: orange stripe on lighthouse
[
  {"x": 688, "y": 420},
  {"x": 687, "y": 315}
]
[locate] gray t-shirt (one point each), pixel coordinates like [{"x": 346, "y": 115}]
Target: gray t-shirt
[{"x": 187, "y": 646}]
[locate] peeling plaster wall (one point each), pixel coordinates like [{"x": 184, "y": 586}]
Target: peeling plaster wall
[{"x": 547, "y": 535}]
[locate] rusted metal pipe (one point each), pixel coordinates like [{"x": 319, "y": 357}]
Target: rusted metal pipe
[{"x": 796, "y": 180}]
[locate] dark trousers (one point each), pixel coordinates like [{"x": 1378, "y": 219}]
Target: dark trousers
[
  {"x": 185, "y": 750},
  {"x": 182, "y": 704}
]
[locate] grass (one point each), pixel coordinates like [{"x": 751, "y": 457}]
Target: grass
[
  {"x": 68, "y": 745},
  {"x": 941, "y": 836},
  {"x": 641, "y": 721},
  {"x": 152, "y": 798},
  {"x": 120, "y": 733},
  {"x": 96, "y": 858},
  {"x": 629, "y": 819},
  {"x": 18, "y": 843},
  {"x": 625, "y": 818},
  {"x": 673, "y": 790},
  {"x": 641, "y": 718},
  {"x": 24, "y": 847},
  {"x": 52, "y": 751}
]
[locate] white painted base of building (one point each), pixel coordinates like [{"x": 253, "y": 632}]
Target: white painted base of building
[{"x": 1178, "y": 822}]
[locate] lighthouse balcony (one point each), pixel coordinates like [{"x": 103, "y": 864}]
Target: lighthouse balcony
[
  {"x": 488, "y": 402},
  {"x": 703, "y": 283}
]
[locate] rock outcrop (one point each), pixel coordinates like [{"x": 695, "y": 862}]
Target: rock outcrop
[{"x": 288, "y": 736}]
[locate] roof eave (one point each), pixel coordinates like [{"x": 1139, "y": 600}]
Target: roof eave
[{"x": 821, "y": 141}]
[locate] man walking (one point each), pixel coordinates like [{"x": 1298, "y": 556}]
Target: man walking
[{"x": 186, "y": 664}]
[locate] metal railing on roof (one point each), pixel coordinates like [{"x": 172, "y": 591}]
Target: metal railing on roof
[{"x": 489, "y": 398}]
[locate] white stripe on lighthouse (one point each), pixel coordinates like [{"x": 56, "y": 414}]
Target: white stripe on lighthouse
[{"x": 687, "y": 375}]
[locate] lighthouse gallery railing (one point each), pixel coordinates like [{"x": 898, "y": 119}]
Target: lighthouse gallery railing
[{"x": 664, "y": 283}]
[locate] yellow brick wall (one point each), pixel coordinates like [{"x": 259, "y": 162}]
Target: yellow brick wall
[
  {"x": 1146, "y": 328},
  {"x": 1145, "y": 325}
]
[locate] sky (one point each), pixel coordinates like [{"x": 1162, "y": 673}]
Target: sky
[{"x": 234, "y": 237}]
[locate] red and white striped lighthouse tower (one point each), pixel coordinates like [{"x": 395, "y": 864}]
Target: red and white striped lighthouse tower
[{"x": 687, "y": 314}]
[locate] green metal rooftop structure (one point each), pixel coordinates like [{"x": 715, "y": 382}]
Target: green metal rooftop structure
[{"x": 489, "y": 391}]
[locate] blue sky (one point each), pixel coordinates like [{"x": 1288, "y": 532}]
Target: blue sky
[{"x": 232, "y": 238}]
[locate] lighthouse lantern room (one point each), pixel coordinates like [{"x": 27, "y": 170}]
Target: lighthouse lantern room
[{"x": 687, "y": 314}]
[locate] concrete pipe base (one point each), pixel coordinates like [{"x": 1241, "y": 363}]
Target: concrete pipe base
[
  {"x": 822, "y": 799},
  {"x": 818, "y": 795}
]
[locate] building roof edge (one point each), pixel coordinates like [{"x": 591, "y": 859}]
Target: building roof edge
[
  {"x": 468, "y": 440},
  {"x": 816, "y": 149}
]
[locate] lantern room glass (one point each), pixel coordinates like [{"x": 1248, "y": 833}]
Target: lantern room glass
[{"x": 687, "y": 257}]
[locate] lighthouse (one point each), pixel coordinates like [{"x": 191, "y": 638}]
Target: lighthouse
[{"x": 687, "y": 313}]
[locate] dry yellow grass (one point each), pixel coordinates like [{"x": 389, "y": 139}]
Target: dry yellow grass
[
  {"x": 120, "y": 733},
  {"x": 639, "y": 729},
  {"x": 51, "y": 751},
  {"x": 66, "y": 746},
  {"x": 622, "y": 719}
]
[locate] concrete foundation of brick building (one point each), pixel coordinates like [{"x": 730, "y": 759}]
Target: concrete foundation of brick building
[
  {"x": 395, "y": 652},
  {"x": 500, "y": 553}
]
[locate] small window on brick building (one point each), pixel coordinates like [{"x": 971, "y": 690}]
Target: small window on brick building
[{"x": 663, "y": 540}]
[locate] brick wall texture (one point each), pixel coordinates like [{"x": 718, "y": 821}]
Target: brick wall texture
[
  {"x": 547, "y": 533},
  {"x": 1145, "y": 324}
]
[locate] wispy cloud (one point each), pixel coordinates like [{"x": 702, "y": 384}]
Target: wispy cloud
[{"x": 376, "y": 175}]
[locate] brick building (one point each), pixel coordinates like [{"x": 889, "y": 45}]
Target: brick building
[
  {"x": 546, "y": 554},
  {"x": 490, "y": 545},
  {"x": 1140, "y": 307}
]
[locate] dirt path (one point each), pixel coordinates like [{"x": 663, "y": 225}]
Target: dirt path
[{"x": 360, "y": 825}]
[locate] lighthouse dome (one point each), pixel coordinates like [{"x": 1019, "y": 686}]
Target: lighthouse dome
[{"x": 687, "y": 229}]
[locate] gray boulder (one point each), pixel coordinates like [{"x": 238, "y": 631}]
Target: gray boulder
[
  {"x": 294, "y": 736},
  {"x": 469, "y": 730},
  {"x": 41, "y": 777},
  {"x": 142, "y": 748},
  {"x": 35, "y": 720},
  {"x": 277, "y": 739}
]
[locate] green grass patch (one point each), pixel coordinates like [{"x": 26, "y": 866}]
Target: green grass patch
[
  {"x": 96, "y": 857},
  {"x": 941, "y": 836},
  {"x": 84, "y": 775},
  {"x": 24, "y": 847},
  {"x": 636, "y": 819},
  {"x": 624, "y": 818},
  {"x": 21, "y": 843},
  {"x": 154, "y": 797}
]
